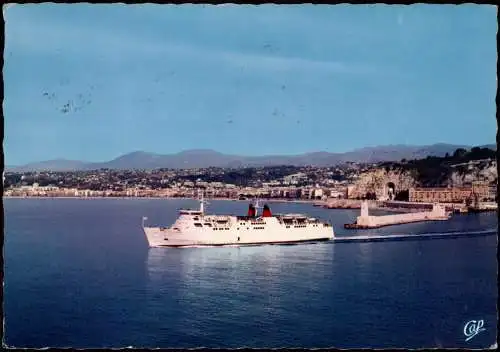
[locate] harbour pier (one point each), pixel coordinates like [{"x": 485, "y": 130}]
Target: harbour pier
[{"x": 367, "y": 221}]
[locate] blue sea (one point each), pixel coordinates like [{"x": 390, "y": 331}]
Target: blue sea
[{"x": 78, "y": 273}]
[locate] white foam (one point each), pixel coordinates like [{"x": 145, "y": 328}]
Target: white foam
[{"x": 435, "y": 235}]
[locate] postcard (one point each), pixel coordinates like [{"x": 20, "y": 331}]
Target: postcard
[{"x": 250, "y": 176}]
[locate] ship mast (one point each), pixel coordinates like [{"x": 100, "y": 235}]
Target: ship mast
[
  {"x": 257, "y": 206},
  {"x": 200, "y": 197},
  {"x": 202, "y": 202}
]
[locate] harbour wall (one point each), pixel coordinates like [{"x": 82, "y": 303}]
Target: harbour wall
[{"x": 365, "y": 220}]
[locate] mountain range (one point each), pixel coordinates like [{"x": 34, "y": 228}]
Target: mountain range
[{"x": 200, "y": 158}]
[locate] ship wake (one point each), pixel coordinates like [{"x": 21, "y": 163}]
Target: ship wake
[
  {"x": 362, "y": 238},
  {"x": 420, "y": 236}
]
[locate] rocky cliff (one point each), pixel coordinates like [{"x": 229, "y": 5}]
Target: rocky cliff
[
  {"x": 464, "y": 174},
  {"x": 382, "y": 182}
]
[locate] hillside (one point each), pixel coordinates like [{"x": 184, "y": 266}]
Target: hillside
[
  {"x": 202, "y": 158},
  {"x": 456, "y": 169}
]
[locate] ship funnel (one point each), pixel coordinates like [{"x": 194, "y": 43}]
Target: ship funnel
[
  {"x": 266, "y": 212},
  {"x": 251, "y": 210}
]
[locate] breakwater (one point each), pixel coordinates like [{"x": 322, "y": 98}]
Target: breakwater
[{"x": 366, "y": 221}]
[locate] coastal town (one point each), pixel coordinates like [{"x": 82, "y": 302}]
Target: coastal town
[
  {"x": 228, "y": 176},
  {"x": 472, "y": 183}
]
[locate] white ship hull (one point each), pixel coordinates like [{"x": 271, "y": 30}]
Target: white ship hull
[
  {"x": 195, "y": 228},
  {"x": 162, "y": 237}
]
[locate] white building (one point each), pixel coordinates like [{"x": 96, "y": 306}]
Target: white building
[
  {"x": 294, "y": 178},
  {"x": 318, "y": 193}
]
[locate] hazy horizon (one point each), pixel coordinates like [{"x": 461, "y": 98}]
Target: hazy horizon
[
  {"x": 93, "y": 82},
  {"x": 244, "y": 155}
]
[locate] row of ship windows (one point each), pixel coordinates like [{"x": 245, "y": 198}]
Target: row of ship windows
[
  {"x": 198, "y": 224},
  {"x": 255, "y": 228}
]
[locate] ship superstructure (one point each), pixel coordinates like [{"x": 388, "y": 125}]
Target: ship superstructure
[{"x": 195, "y": 228}]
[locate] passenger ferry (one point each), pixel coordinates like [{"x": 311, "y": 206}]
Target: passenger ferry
[{"x": 195, "y": 228}]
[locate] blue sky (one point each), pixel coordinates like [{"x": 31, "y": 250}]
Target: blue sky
[{"x": 251, "y": 80}]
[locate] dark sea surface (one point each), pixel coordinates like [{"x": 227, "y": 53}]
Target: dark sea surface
[{"x": 78, "y": 273}]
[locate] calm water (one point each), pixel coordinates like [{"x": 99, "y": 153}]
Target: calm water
[{"x": 79, "y": 273}]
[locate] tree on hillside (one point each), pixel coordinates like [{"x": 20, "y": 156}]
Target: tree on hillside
[
  {"x": 459, "y": 153},
  {"x": 370, "y": 196},
  {"x": 477, "y": 153},
  {"x": 403, "y": 196}
]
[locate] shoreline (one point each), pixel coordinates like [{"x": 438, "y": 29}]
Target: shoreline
[
  {"x": 346, "y": 204},
  {"x": 312, "y": 201}
]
